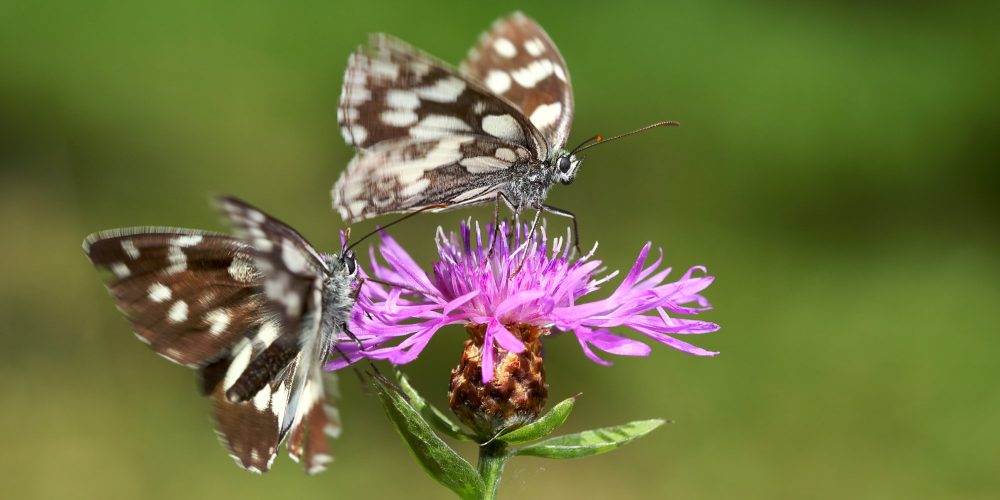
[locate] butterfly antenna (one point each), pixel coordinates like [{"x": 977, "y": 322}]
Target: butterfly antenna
[
  {"x": 347, "y": 239},
  {"x": 397, "y": 221},
  {"x": 594, "y": 139},
  {"x": 599, "y": 139}
]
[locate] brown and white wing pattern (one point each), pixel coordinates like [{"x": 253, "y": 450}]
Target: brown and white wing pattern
[
  {"x": 393, "y": 91},
  {"x": 209, "y": 301},
  {"x": 409, "y": 174},
  {"x": 292, "y": 269},
  {"x": 288, "y": 371},
  {"x": 516, "y": 59},
  {"x": 190, "y": 295}
]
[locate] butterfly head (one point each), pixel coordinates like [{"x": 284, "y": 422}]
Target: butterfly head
[
  {"x": 566, "y": 166},
  {"x": 349, "y": 263}
]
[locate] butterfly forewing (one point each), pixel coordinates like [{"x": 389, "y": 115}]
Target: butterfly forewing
[
  {"x": 516, "y": 59},
  {"x": 393, "y": 91},
  {"x": 290, "y": 266},
  {"x": 188, "y": 294}
]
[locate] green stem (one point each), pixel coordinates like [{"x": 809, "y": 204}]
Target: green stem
[{"x": 492, "y": 457}]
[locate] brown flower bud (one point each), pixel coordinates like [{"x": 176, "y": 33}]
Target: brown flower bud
[{"x": 517, "y": 392}]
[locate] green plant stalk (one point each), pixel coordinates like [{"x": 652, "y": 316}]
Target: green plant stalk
[{"x": 492, "y": 457}]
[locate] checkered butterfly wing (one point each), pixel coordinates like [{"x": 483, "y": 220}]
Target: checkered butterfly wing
[
  {"x": 290, "y": 368},
  {"x": 516, "y": 59},
  {"x": 197, "y": 298},
  {"x": 426, "y": 134}
]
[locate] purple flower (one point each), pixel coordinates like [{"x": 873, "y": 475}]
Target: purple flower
[{"x": 469, "y": 286}]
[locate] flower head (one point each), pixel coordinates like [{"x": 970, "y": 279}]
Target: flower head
[{"x": 525, "y": 281}]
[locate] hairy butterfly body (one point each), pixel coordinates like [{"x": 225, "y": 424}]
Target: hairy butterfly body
[
  {"x": 255, "y": 314},
  {"x": 431, "y": 137}
]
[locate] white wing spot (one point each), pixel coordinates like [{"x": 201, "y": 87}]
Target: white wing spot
[
  {"x": 129, "y": 247},
  {"x": 498, "y": 81},
  {"x": 444, "y": 90},
  {"x": 218, "y": 321},
  {"x": 292, "y": 257},
  {"x": 483, "y": 164},
  {"x": 265, "y": 335},
  {"x": 402, "y": 99},
  {"x": 177, "y": 259},
  {"x": 241, "y": 268},
  {"x": 505, "y": 154},
  {"x": 414, "y": 188},
  {"x": 546, "y": 114},
  {"x": 238, "y": 365},
  {"x": 293, "y": 304},
  {"x": 438, "y": 126},
  {"x": 159, "y": 293},
  {"x": 503, "y": 127},
  {"x": 535, "y": 47},
  {"x": 255, "y": 215},
  {"x": 354, "y": 95},
  {"x": 120, "y": 269},
  {"x": 558, "y": 70},
  {"x": 263, "y": 398},
  {"x": 399, "y": 117},
  {"x": 356, "y": 207},
  {"x": 533, "y": 73},
  {"x": 178, "y": 312},
  {"x": 187, "y": 240},
  {"x": 384, "y": 69},
  {"x": 444, "y": 153},
  {"x": 419, "y": 69},
  {"x": 279, "y": 402},
  {"x": 505, "y": 48},
  {"x": 358, "y": 134}
]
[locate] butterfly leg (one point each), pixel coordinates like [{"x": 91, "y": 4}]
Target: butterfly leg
[
  {"x": 356, "y": 291},
  {"x": 496, "y": 219},
  {"x": 527, "y": 240},
  {"x": 565, "y": 213}
]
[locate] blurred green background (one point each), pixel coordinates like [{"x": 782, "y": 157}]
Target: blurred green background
[{"x": 837, "y": 170}]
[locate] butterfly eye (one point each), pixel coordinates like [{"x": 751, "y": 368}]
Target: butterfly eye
[
  {"x": 563, "y": 164},
  {"x": 351, "y": 263}
]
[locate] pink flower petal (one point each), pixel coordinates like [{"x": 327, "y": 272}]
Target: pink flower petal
[{"x": 470, "y": 285}]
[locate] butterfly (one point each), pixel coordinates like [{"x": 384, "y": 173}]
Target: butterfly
[
  {"x": 426, "y": 134},
  {"x": 255, "y": 314}
]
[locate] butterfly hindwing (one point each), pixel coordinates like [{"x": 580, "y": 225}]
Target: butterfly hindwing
[
  {"x": 516, "y": 59},
  {"x": 308, "y": 441}
]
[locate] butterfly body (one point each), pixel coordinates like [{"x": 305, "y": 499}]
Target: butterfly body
[{"x": 255, "y": 314}]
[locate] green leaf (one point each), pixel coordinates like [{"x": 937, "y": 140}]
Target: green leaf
[
  {"x": 436, "y": 457},
  {"x": 432, "y": 415},
  {"x": 591, "y": 442},
  {"x": 541, "y": 427}
]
